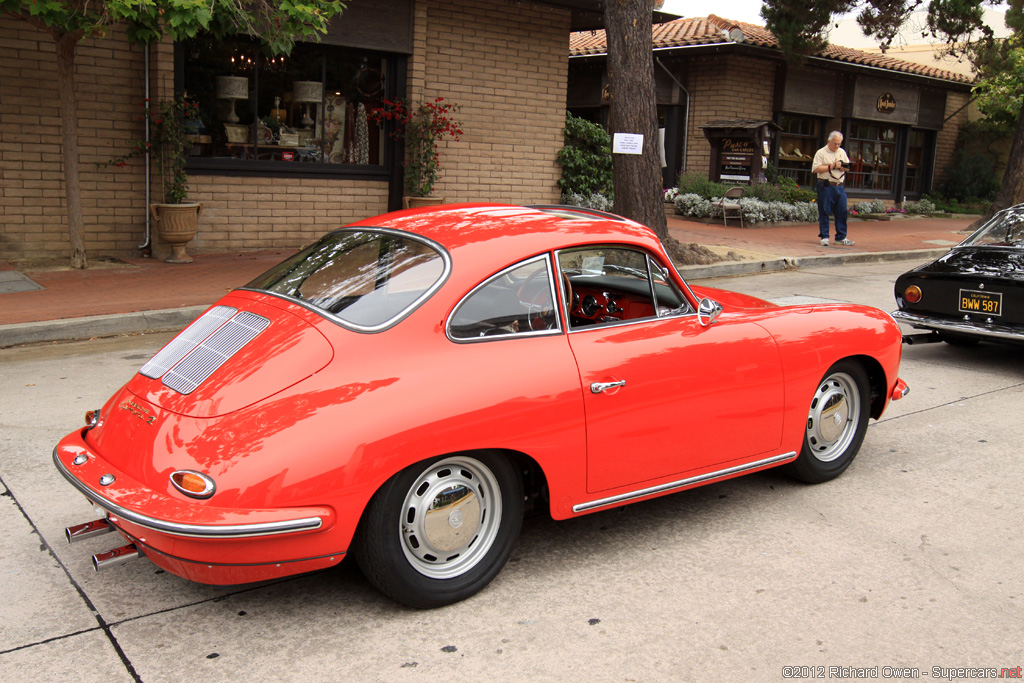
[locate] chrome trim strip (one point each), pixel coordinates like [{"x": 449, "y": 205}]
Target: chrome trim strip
[
  {"x": 994, "y": 330},
  {"x": 189, "y": 530},
  {"x": 690, "y": 481}
]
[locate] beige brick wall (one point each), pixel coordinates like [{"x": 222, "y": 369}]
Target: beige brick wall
[
  {"x": 504, "y": 64},
  {"x": 721, "y": 88},
  {"x": 33, "y": 213},
  {"x": 945, "y": 140},
  {"x": 509, "y": 77},
  {"x": 270, "y": 213}
]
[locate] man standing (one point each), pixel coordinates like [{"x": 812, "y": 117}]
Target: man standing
[{"x": 830, "y": 164}]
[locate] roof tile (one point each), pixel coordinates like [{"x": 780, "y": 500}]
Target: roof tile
[{"x": 714, "y": 29}]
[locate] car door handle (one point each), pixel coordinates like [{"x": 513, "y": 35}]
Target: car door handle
[{"x": 598, "y": 387}]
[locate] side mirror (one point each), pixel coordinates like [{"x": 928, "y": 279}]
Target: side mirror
[{"x": 710, "y": 308}]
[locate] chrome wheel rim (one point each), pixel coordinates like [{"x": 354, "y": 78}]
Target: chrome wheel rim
[
  {"x": 450, "y": 517},
  {"x": 834, "y": 416}
]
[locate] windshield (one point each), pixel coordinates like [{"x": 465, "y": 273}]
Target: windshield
[
  {"x": 1006, "y": 229},
  {"x": 366, "y": 279}
]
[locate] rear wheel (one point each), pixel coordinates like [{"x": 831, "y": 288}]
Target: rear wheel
[
  {"x": 437, "y": 533},
  {"x": 836, "y": 424}
]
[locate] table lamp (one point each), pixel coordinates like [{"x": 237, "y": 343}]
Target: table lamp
[
  {"x": 232, "y": 88},
  {"x": 307, "y": 92}
]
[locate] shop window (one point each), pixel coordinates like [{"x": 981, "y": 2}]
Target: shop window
[
  {"x": 303, "y": 112},
  {"x": 872, "y": 151},
  {"x": 798, "y": 141}
]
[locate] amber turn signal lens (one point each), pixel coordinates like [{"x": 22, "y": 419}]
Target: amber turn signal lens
[
  {"x": 913, "y": 294},
  {"x": 194, "y": 484}
]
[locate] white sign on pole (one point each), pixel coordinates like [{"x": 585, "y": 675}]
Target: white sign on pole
[{"x": 627, "y": 143}]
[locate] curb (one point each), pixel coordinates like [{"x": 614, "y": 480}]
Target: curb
[
  {"x": 174, "y": 319},
  {"x": 732, "y": 268},
  {"x": 72, "y": 329}
]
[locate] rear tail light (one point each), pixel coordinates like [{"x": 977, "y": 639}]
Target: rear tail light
[
  {"x": 193, "y": 484},
  {"x": 913, "y": 294}
]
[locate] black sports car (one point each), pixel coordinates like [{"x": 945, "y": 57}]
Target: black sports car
[{"x": 974, "y": 292}]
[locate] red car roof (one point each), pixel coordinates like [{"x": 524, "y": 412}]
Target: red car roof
[{"x": 515, "y": 231}]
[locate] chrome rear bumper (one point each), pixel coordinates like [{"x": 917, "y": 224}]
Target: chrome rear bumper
[{"x": 993, "y": 330}]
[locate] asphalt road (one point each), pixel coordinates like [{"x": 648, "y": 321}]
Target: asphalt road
[{"x": 909, "y": 561}]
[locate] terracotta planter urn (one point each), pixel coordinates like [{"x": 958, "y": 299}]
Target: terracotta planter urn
[
  {"x": 176, "y": 226},
  {"x": 409, "y": 202}
]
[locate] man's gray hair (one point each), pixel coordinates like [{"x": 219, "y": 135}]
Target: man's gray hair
[{"x": 834, "y": 134}]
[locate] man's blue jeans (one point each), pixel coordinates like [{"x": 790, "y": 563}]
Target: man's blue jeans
[{"x": 831, "y": 199}]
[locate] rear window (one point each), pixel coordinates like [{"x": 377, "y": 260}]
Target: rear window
[{"x": 366, "y": 279}]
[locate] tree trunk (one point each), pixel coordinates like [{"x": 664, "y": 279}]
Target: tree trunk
[
  {"x": 66, "y": 46},
  {"x": 634, "y": 110},
  {"x": 1012, "y": 190}
]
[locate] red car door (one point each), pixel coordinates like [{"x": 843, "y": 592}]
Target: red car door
[
  {"x": 665, "y": 395},
  {"x": 692, "y": 398}
]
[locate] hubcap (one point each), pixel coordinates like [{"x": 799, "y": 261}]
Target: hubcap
[
  {"x": 833, "y": 418},
  {"x": 450, "y": 517}
]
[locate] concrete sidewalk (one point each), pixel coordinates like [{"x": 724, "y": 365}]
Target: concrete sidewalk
[{"x": 136, "y": 295}]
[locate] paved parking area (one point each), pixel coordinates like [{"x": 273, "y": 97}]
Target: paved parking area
[{"x": 910, "y": 559}]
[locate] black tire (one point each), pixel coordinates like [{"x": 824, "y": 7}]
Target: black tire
[
  {"x": 837, "y": 421},
  {"x": 440, "y": 531}
]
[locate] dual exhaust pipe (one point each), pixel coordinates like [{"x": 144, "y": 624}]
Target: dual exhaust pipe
[{"x": 99, "y": 527}]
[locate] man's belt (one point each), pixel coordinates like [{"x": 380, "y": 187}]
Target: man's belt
[{"x": 830, "y": 182}]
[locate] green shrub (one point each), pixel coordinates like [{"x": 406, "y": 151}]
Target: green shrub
[
  {"x": 586, "y": 158},
  {"x": 596, "y": 200},
  {"x": 785, "y": 190},
  {"x": 698, "y": 184},
  {"x": 924, "y": 206},
  {"x": 693, "y": 205},
  {"x": 972, "y": 178},
  {"x": 871, "y": 206}
]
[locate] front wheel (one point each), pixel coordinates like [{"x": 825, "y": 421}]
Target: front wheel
[
  {"x": 836, "y": 424},
  {"x": 438, "y": 532}
]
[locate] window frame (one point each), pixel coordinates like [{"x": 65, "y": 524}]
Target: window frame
[
  {"x": 651, "y": 264},
  {"x": 801, "y": 170},
  {"x": 401, "y": 315},
  {"x": 390, "y": 171},
  {"x": 557, "y": 330}
]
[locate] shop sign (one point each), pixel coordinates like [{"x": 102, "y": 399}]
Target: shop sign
[
  {"x": 737, "y": 159},
  {"x": 886, "y": 103},
  {"x": 740, "y": 146},
  {"x": 736, "y": 167}
]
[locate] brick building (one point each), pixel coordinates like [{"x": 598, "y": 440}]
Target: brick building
[
  {"x": 717, "y": 79},
  {"x": 503, "y": 62}
]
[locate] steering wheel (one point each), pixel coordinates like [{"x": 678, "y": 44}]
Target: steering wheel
[{"x": 535, "y": 295}]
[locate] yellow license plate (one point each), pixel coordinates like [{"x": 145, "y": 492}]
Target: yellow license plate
[{"x": 976, "y": 301}]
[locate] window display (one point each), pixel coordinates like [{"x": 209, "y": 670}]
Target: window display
[
  {"x": 308, "y": 107},
  {"x": 872, "y": 151},
  {"x": 798, "y": 141}
]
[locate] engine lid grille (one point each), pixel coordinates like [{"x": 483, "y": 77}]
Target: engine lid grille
[{"x": 205, "y": 345}]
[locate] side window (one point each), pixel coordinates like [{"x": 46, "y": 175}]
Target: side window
[
  {"x": 670, "y": 300},
  {"x": 613, "y": 284},
  {"x": 517, "y": 301}
]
